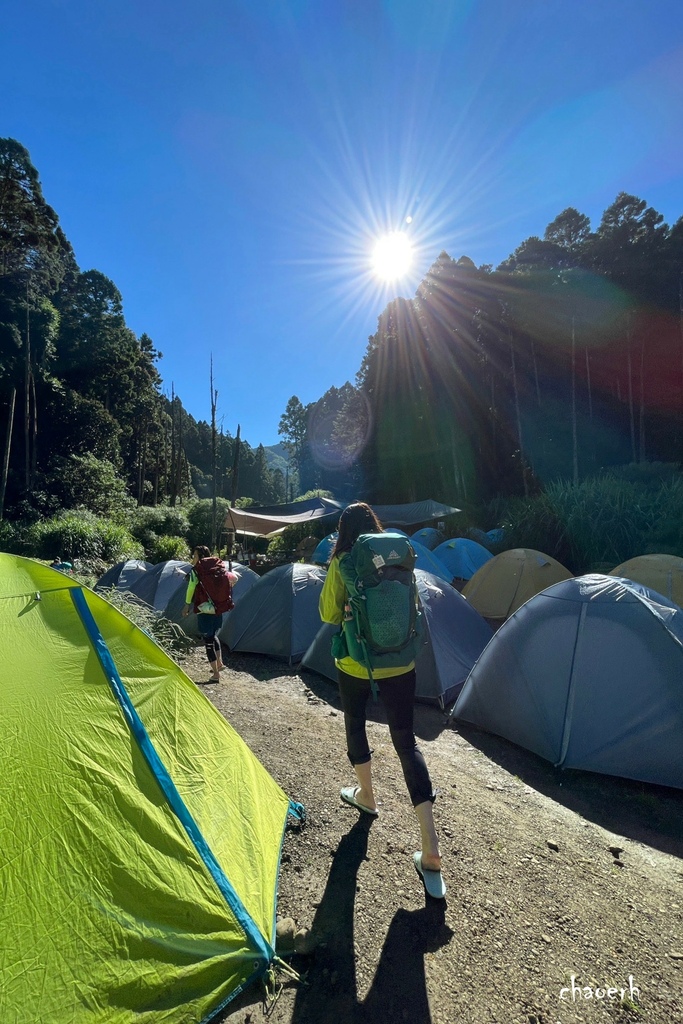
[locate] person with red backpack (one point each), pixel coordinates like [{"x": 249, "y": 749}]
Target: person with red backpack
[{"x": 209, "y": 595}]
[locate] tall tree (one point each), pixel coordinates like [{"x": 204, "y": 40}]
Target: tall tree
[{"x": 293, "y": 429}]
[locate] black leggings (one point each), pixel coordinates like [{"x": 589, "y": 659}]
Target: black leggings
[
  {"x": 398, "y": 696},
  {"x": 208, "y": 626}
]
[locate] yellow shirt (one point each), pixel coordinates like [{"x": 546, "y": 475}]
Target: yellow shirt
[{"x": 333, "y": 597}]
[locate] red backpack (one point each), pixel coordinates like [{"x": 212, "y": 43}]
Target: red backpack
[{"x": 215, "y": 583}]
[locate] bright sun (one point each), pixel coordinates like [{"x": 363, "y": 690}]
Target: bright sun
[{"x": 393, "y": 256}]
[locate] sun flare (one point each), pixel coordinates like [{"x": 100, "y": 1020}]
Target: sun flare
[{"x": 392, "y": 257}]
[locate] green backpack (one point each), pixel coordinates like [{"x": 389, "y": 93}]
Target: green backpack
[{"x": 381, "y": 623}]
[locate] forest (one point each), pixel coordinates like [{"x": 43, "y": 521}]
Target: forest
[{"x": 489, "y": 385}]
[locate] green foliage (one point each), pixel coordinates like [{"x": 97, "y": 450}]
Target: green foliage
[
  {"x": 166, "y": 548},
  {"x": 80, "y": 534},
  {"x": 647, "y": 474},
  {"x": 84, "y": 481},
  {"x": 9, "y": 536},
  {"x": 602, "y": 522},
  {"x": 148, "y": 523},
  {"x": 317, "y": 492},
  {"x": 199, "y": 516},
  {"x": 276, "y": 547},
  {"x": 245, "y": 502},
  {"x": 286, "y": 542}
]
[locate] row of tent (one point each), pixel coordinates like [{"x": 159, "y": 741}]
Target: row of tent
[
  {"x": 496, "y": 585},
  {"x": 455, "y": 559},
  {"x": 141, "y": 837},
  {"x": 277, "y": 615}
]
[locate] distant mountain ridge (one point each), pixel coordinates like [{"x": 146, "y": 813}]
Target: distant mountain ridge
[{"x": 277, "y": 457}]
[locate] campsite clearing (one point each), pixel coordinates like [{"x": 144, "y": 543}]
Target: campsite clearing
[{"x": 564, "y": 887}]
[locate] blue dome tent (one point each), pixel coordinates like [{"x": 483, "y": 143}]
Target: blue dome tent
[{"x": 462, "y": 556}]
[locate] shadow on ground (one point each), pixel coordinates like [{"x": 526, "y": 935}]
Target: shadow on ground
[
  {"x": 642, "y": 811},
  {"x": 331, "y": 992}
]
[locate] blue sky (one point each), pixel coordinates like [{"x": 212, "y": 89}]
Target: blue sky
[{"x": 230, "y": 164}]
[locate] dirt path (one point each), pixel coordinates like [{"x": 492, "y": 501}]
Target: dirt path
[{"x": 552, "y": 876}]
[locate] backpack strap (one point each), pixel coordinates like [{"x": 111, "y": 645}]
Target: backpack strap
[{"x": 348, "y": 576}]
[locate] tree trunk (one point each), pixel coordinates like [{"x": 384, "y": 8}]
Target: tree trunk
[
  {"x": 214, "y": 466},
  {"x": 143, "y": 462},
  {"x": 178, "y": 469},
  {"x": 533, "y": 357},
  {"x": 164, "y": 469},
  {"x": 27, "y": 402},
  {"x": 641, "y": 412},
  {"x": 680, "y": 324},
  {"x": 8, "y": 446},
  {"x": 235, "y": 469},
  {"x": 518, "y": 415},
  {"x": 630, "y": 387},
  {"x": 34, "y": 432},
  {"x": 575, "y": 445},
  {"x": 171, "y": 483}
]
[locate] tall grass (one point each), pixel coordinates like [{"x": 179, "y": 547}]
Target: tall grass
[
  {"x": 600, "y": 523},
  {"x": 170, "y": 637}
]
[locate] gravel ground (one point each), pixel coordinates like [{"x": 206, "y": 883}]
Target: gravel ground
[{"x": 564, "y": 888}]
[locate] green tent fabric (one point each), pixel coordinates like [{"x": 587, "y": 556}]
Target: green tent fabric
[{"x": 141, "y": 838}]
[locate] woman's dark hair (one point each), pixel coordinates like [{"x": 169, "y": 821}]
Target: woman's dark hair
[
  {"x": 354, "y": 520},
  {"x": 202, "y": 551}
]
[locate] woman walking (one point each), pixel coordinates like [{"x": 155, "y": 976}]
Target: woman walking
[
  {"x": 205, "y": 568},
  {"x": 396, "y": 687}
]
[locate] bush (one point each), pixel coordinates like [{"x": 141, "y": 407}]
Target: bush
[
  {"x": 317, "y": 492},
  {"x": 163, "y": 520},
  {"x": 276, "y": 548},
  {"x": 10, "y": 536},
  {"x": 286, "y": 542},
  {"x": 167, "y": 548},
  {"x": 160, "y": 529},
  {"x": 80, "y": 534},
  {"x": 84, "y": 481}
]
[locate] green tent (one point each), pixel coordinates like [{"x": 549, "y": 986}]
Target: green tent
[{"x": 141, "y": 838}]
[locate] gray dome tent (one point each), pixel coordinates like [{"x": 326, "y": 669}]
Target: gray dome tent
[
  {"x": 279, "y": 615},
  {"x": 429, "y": 537},
  {"x": 156, "y": 586},
  {"x": 123, "y": 574},
  {"x": 587, "y": 674},
  {"x": 453, "y": 637}
]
